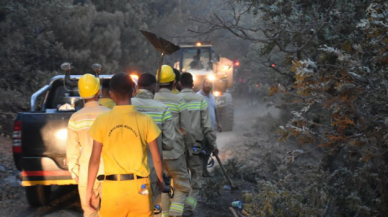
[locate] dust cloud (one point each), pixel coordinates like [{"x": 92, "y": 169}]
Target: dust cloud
[{"x": 245, "y": 117}]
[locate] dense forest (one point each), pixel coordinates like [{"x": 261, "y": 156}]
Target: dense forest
[
  {"x": 324, "y": 61},
  {"x": 38, "y": 36}
]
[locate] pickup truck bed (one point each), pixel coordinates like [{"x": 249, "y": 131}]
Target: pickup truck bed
[
  {"x": 39, "y": 140},
  {"x": 44, "y": 148}
]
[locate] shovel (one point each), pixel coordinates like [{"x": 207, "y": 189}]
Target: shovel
[
  {"x": 226, "y": 174},
  {"x": 161, "y": 45}
]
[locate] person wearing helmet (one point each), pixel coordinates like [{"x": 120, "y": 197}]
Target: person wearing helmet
[
  {"x": 123, "y": 136},
  {"x": 175, "y": 161},
  {"x": 144, "y": 102},
  {"x": 78, "y": 138},
  {"x": 106, "y": 99},
  {"x": 202, "y": 130}
]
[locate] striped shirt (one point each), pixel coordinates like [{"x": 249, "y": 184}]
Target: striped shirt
[
  {"x": 79, "y": 145},
  {"x": 144, "y": 103},
  {"x": 181, "y": 119},
  {"x": 200, "y": 119}
]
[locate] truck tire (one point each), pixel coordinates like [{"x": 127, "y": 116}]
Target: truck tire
[
  {"x": 38, "y": 195},
  {"x": 227, "y": 114}
]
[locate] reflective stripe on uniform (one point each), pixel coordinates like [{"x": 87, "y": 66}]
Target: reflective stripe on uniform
[
  {"x": 191, "y": 201},
  {"x": 203, "y": 104},
  {"x": 182, "y": 106},
  {"x": 176, "y": 207},
  {"x": 80, "y": 124},
  {"x": 172, "y": 106},
  {"x": 165, "y": 214},
  {"x": 194, "y": 106}
]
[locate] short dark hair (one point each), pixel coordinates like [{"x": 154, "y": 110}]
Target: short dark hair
[
  {"x": 105, "y": 84},
  {"x": 187, "y": 79},
  {"x": 177, "y": 74},
  {"x": 122, "y": 85},
  {"x": 147, "y": 81}
]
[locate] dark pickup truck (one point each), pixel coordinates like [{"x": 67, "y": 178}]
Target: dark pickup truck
[{"x": 39, "y": 138}]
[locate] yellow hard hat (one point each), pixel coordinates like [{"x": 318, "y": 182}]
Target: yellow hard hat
[
  {"x": 167, "y": 75},
  {"x": 88, "y": 86}
]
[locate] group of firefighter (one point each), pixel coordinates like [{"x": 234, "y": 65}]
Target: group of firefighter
[{"x": 124, "y": 146}]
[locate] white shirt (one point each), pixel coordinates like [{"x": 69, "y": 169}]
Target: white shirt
[{"x": 211, "y": 102}]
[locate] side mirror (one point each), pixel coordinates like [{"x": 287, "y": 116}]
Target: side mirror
[
  {"x": 66, "y": 67},
  {"x": 97, "y": 69}
]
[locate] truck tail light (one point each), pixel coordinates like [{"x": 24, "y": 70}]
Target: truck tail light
[{"x": 17, "y": 137}]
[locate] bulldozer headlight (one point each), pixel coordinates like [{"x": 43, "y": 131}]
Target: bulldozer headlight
[
  {"x": 226, "y": 67},
  {"x": 211, "y": 77},
  {"x": 217, "y": 93}
]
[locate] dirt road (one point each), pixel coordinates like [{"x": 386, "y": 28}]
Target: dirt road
[{"x": 65, "y": 201}]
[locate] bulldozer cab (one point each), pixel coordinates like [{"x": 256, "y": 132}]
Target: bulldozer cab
[
  {"x": 203, "y": 63},
  {"x": 196, "y": 60}
]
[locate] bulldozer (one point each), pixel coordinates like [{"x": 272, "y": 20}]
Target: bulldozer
[{"x": 203, "y": 62}]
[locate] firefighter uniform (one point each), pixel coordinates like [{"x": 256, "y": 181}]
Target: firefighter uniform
[
  {"x": 201, "y": 129},
  {"x": 174, "y": 160},
  {"x": 79, "y": 148},
  {"x": 144, "y": 103},
  {"x": 107, "y": 102},
  {"x": 124, "y": 134}
]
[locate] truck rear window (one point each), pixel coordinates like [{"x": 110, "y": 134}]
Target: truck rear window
[{"x": 61, "y": 95}]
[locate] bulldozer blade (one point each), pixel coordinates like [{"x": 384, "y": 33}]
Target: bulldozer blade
[
  {"x": 233, "y": 187},
  {"x": 160, "y": 44}
]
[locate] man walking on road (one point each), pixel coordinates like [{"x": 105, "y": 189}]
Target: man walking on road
[
  {"x": 121, "y": 136},
  {"x": 211, "y": 102},
  {"x": 202, "y": 130},
  {"x": 144, "y": 102},
  {"x": 175, "y": 160},
  {"x": 79, "y": 144}
]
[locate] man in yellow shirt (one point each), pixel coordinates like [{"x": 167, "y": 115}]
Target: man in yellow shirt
[
  {"x": 106, "y": 99},
  {"x": 79, "y": 144},
  {"x": 202, "y": 130},
  {"x": 175, "y": 160},
  {"x": 121, "y": 136}
]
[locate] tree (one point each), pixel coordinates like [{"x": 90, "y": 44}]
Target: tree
[
  {"x": 336, "y": 55},
  {"x": 37, "y": 36}
]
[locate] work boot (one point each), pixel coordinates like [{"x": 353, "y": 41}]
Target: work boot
[{"x": 188, "y": 214}]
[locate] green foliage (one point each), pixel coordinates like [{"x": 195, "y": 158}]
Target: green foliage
[
  {"x": 337, "y": 94},
  {"x": 37, "y": 36}
]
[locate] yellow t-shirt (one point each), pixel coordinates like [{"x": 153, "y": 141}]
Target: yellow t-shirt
[
  {"x": 175, "y": 91},
  {"x": 107, "y": 102},
  {"x": 124, "y": 133}
]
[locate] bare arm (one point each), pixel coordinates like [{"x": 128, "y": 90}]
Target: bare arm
[
  {"x": 94, "y": 164},
  {"x": 157, "y": 159}
]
